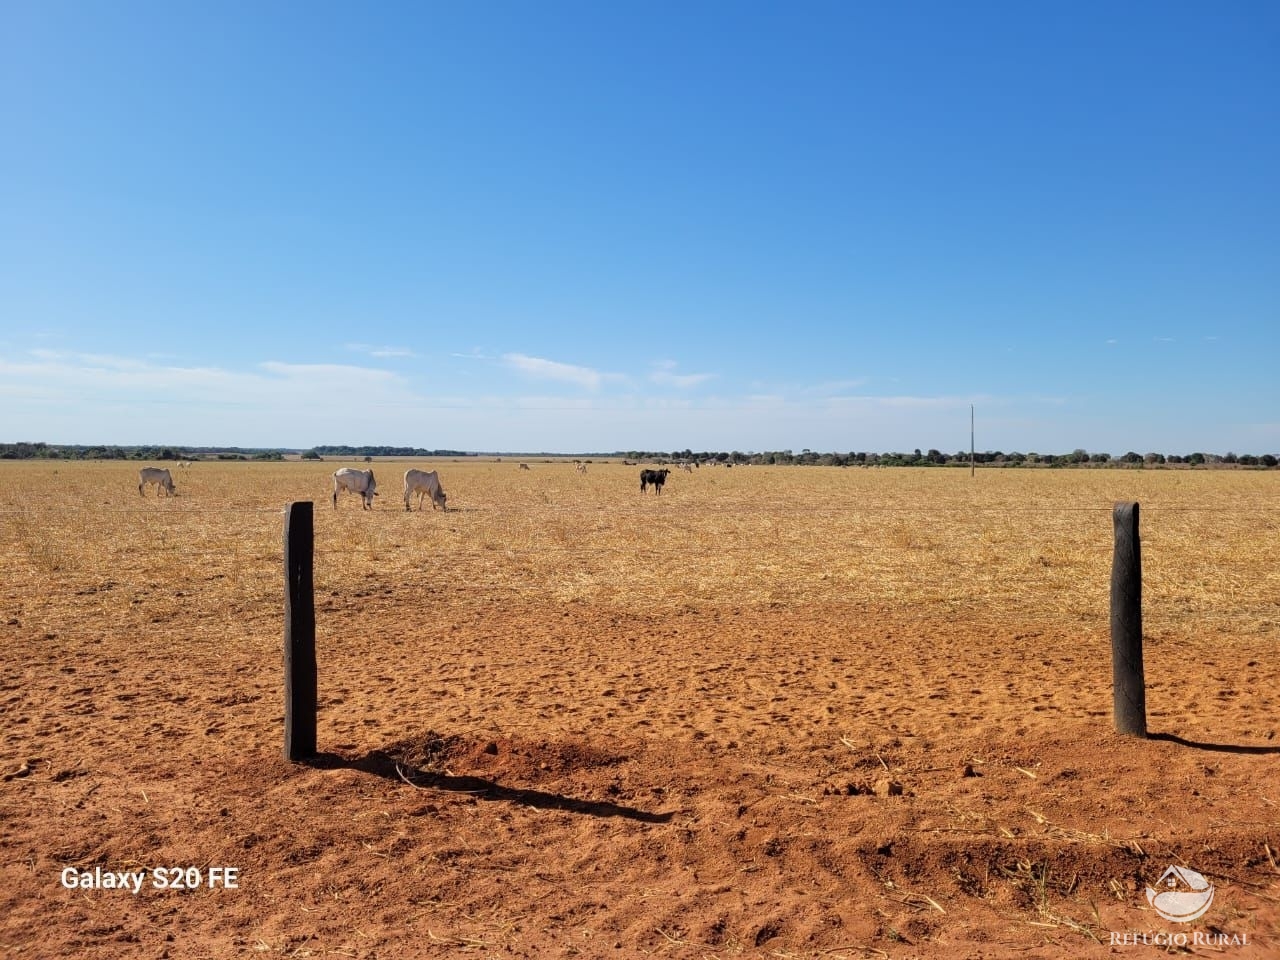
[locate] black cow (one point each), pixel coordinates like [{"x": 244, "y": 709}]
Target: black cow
[{"x": 655, "y": 477}]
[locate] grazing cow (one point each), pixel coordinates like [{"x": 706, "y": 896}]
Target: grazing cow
[
  {"x": 655, "y": 477},
  {"x": 160, "y": 477},
  {"x": 524, "y": 466},
  {"x": 581, "y": 468},
  {"x": 359, "y": 482},
  {"x": 424, "y": 481}
]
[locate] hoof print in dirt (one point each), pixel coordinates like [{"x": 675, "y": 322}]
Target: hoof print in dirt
[
  {"x": 887, "y": 788},
  {"x": 768, "y": 932},
  {"x": 847, "y": 790}
]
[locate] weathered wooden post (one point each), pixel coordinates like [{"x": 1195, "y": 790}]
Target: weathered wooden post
[
  {"x": 1128, "y": 683},
  {"x": 299, "y": 634}
]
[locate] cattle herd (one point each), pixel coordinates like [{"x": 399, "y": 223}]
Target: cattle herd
[
  {"x": 363, "y": 485},
  {"x": 425, "y": 483}
]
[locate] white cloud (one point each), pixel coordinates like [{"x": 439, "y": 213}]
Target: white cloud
[
  {"x": 83, "y": 374},
  {"x": 70, "y": 397},
  {"x": 327, "y": 373},
  {"x": 665, "y": 375},
  {"x": 542, "y": 369},
  {"x": 89, "y": 360},
  {"x": 932, "y": 403},
  {"x": 380, "y": 351},
  {"x": 832, "y": 388}
]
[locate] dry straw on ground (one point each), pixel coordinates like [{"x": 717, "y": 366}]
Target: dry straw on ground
[{"x": 1023, "y": 544}]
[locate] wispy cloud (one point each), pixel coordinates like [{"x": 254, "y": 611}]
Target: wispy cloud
[
  {"x": 92, "y": 361},
  {"x": 918, "y": 403},
  {"x": 665, "y": 375},
  {"x": 86, "y": 373},
  {"x": 543, "y": 369},
  {"x": 327, "y": 373},
  {"x": 380, "y": 351},
  {"x": 92, "y": 397}
]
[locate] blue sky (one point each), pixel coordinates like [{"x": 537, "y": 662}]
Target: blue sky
[{"x": 596, "y": 226}]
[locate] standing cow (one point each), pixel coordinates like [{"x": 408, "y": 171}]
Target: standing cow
[
  {"x": 359, "y": 482},
  {"x": 655, "y": 477},
  {"x": 424, "y": 481},
  {"x": 160, "y": 477}
]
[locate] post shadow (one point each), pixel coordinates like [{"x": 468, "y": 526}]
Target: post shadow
[
  {"x": 1258, "y": 751},
  {"x": 379, "y": 764}
]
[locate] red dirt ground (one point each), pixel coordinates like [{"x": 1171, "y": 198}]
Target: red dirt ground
[{"x": 528, "y": 780}]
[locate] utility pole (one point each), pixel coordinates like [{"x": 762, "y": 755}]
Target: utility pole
[{"x": 971, "y": 439}]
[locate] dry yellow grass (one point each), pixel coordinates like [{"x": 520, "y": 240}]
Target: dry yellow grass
[{"x": 1020, "y": 545}]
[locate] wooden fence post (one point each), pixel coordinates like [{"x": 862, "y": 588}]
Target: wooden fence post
[
  {"x": 299, "y": 634},
  {"x": 1128, "y": 683}
]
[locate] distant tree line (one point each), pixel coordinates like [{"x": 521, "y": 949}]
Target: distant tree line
[
  {"x": 343, "y": 451},
  {"x": 51, "y": 451},
  {"x": 806, "y": 457},
  {"x": 936, "y": 458}
]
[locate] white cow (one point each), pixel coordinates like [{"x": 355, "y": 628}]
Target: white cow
[
  {"x": 159, "y": 476},
  {"x": 424, "y": 481},
  {"x": 359, "y": 482}
]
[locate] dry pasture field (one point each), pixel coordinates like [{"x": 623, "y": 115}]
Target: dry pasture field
[{"x": 791, "y": 712}]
